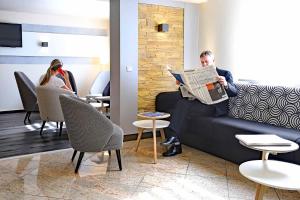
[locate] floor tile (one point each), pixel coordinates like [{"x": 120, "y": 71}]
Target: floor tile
[
  {"x": 190, "y": 175},
  {"x": 207, "y": 168},
  {"x": 245, "y": 189},
  {"x": 288, "y": 195},
  {"x": 206, "y": 187}
]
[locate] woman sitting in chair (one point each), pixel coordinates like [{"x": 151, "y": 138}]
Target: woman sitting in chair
[{"x": 51, "y": 79}]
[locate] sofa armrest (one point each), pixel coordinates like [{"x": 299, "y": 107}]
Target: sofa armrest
[{"x": 166, "y": 101}]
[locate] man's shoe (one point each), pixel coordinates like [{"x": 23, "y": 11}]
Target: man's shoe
[
  {"x": 173, "y": 150},
  {"x": 170, "y": 140}
]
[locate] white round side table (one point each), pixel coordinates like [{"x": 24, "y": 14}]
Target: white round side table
[
  {"x": 273, "y": 149},
  {"x": 271, "y": 173},
  {"x": 152, "y": 123}
]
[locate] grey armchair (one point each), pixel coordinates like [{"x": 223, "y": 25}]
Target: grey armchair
[
  {"x": 27, "y": 94},
  {"x": 89, "y": 130},
  {"x": 100, "y": 87},
  {"x": 50, "y": 109}
]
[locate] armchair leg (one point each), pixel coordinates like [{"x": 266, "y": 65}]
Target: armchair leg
[
  {"x": 56, "y": 124},
  {"x": 25, "y": 118},
  {"x": 41, "y": 131},
  {"x": 28, "y": 117},
  {"x": 79, "y": 161},
  {"x": 119, "y": 159},
  {"x": 60, "y": 128},
  {"x": 74, "y": 154}
]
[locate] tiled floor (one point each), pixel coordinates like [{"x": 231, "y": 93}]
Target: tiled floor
[{"x": 190, "y": 175}]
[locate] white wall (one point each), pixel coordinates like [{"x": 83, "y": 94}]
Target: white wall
[
  {"x": 257, "y": 39},
  {"x": 217, "y": 18},
  {"x": 60, "y": 45},
  {"x": 51, "y": 19},
  {"x": 191, "y": 36},
  {"x": 124, "y": 62},
  {"x": 10, "y": 98}
]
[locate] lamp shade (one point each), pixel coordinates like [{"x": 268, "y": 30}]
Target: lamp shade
[{"x": 163, "y": 27}]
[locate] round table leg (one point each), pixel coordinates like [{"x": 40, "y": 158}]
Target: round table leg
[
  {"x": 260, "y": 189},
  {"x": 265, "y": 155},
  {"x": 162, "y": 135},
  {"x": 163, "y": 138},
  {"x": 140, "y": 132},
  {"x": 154, "y": 142}
]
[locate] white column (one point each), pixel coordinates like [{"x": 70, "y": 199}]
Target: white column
[{"x": 124, "y": 62}]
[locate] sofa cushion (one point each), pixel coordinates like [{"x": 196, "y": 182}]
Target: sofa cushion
[
  {"x": 250, "y": 127},
  {"x": 276, "y": 105},
  {"x": 166, "y": 101},
  {"x": 221, "y": 109}
]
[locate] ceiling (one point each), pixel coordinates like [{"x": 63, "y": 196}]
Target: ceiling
[{"x": 81, "y": 8}]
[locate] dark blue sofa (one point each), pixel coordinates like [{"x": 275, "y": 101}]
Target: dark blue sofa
[{"x": 255, "y": 110}]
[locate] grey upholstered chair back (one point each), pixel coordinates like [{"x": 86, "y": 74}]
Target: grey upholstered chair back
[
  {"x": 48, "y": 100},
  {"x": 88, "y": 129},
  {"x": 27, "y": 91},
  {"x": 100, "y": 82}
]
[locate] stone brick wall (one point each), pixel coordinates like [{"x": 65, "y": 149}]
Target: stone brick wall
[{"x": 157, "y": 50}]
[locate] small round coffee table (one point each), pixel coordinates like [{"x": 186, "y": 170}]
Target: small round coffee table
[
  {"x": 266, "y": 150},
  {"x": 152, "y": 122},
  {"x": 271, "y": 173}
]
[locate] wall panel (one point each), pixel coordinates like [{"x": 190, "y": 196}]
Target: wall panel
[{"x": 158, "y": 50}]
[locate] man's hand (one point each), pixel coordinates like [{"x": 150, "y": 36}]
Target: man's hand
[
  {"x": 222, "y": 80},
  {"x": 177, "y": 82}
]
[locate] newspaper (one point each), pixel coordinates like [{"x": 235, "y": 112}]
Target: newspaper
[{"x": 202, "y": 84}]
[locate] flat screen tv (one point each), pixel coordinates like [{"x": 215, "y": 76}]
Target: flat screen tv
[{"x": 10, "y": 35}]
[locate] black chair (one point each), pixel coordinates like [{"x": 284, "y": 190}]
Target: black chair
[
  {"x": 106, "y": 92},
  {"x": 71, "y": 79},
  {"x": 27, "y": 94}
]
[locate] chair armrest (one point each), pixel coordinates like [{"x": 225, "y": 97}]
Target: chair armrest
[
  {"x": 93, "y": 95},
  {"x": 103, "y": 98}
]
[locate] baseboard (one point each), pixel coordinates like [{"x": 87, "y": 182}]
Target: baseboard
[
  {"x": 11, "y": 111},
  {"x": 134, "y": 136}
]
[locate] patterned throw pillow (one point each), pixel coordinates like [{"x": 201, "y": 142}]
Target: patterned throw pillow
[{"x": 274, "y": 105}]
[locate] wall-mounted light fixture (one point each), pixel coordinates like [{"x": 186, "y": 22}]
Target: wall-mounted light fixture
[
  {"x": 44, "y": 44},
  {"x": 163, "y": 27}
]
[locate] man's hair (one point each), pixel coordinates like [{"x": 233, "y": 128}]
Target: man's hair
[{"x": 207, "y": 53}]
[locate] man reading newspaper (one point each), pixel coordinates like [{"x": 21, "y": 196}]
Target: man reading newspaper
[
  {"x": 201, "y": 83},
  {"x": 210, "y": 91}
]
